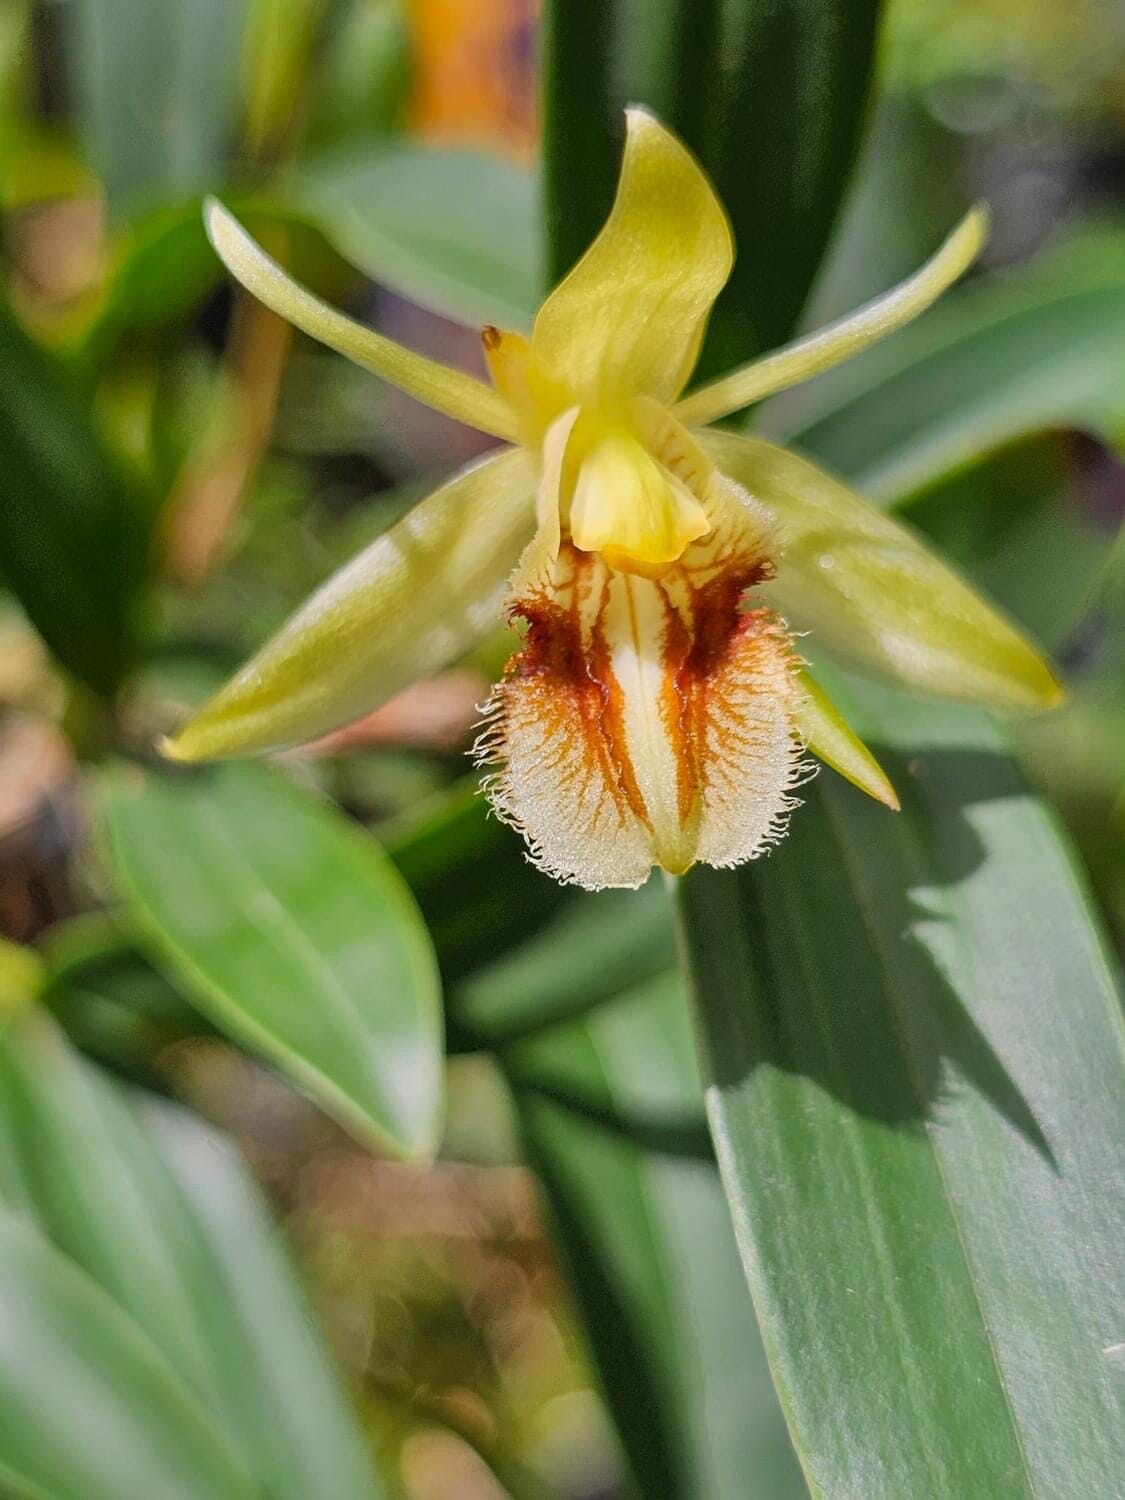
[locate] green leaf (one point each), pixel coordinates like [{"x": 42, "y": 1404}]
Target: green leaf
[
  {"x": 113, "y": 1005},
  {"x": 913, "y": 1053},
  {"x": 990, "y": 363},
  {"x": 771, "y": 98},
  {"x": 156, "y": 85},
  {"x": 470, "y": 876},
  {"x": 583, "y": 126},
  {"x": 21, "y": 979},
  {"x": 651, "y": 1253},
  {"x": 364, "y": 73},
  {"x": 455, "y": 231},
  {"x": 89, "y": 1409},
  {"x": 593, "y": 948},
  {"x": 291, "y": 930},
  {"x": 73, "y": 534},
  {"x": 159, "y": 1212}
]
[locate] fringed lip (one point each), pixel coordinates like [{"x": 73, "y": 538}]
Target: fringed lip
[{"x": 646, "y": 722}]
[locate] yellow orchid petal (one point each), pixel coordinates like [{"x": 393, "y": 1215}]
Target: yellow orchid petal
[
  {"x": 446, "y": 390},
  {"x": 629, "y": 318},
  {"x": 646, "y": 722},
  {"x": 413, "y": 601},
  {"x": 841, "y": 340},
  {"x": 831, "y": 739},
  {"x": 873, "y": 593}
]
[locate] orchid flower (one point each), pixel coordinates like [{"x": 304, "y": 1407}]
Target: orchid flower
[{"x": 658, "y": 711}]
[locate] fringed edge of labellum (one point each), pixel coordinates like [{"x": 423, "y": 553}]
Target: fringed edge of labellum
[{"x": 647, "y": 721}]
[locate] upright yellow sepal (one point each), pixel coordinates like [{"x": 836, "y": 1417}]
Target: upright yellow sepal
[{"x": 629, "y": 318}]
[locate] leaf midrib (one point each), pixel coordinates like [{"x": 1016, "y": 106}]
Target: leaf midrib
[{"x": 868, "y": 917}]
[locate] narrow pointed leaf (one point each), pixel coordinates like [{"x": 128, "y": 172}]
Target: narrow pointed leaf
[
  {"x": 159, "y": 1212},
  {"x": 731, "y": 78},
  {"x": 591, "y": 951},
  {"x": 290, "y": 929},
  {"x": 419, "y": 596},
  {"x": 652, "y": 1255},
  {"x": 913, "y": 1053},
  {"x": 440, "y": 386},
  {"x": 89, "y": 1409},
  {"x": 875, "y": 596},
  {"x": 156, "y": 87}
]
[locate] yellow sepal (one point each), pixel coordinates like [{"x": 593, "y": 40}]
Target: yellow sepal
[
  {"x": 874, "y": 593},
  {"x": 417, "y": 598},
  {"x": 629, "y": 318},
  {"x": 447, "y": 390}
]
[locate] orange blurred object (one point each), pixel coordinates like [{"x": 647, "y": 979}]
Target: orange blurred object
[{"x": 474, "y": 70}]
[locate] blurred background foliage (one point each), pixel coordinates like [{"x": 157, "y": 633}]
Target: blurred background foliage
[{"x": 178, "y": 471}]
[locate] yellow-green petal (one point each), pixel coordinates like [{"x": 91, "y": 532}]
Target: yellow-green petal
[
  {"x": 446, "y": 390},
  {"x": 841, "y": 340},
  {"x": 413, "y": 601},
  {"x": 831, "y": 739},
  {"x": 629, "y": 318},
  {"x": 874, "y": 594}
]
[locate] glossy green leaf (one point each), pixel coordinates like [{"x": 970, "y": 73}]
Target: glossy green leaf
[
  {"x": 994, "y": 361},
  {"x": 652, "y": 1255},
  {"x": 913, "y": 1053},
  {"x": 583, "y": 126},
  {"x": 122, "y": 1012},
  {"x": 156, "y": 85},
  {"x": 455, "y": 231},
  {"x": 290, "y": 929},
  {"x": 364, "y": 73},
  {"x": 89, "y": 1408},
  {"x": 728, "y": 78},
  {"x": 73, "y": 533},
  {"x": 873, "y": 594},
  {"x": 470, "y": 876},
  {"x": 158, "y": 1211},
  {"x": 590, "y": 951}
]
